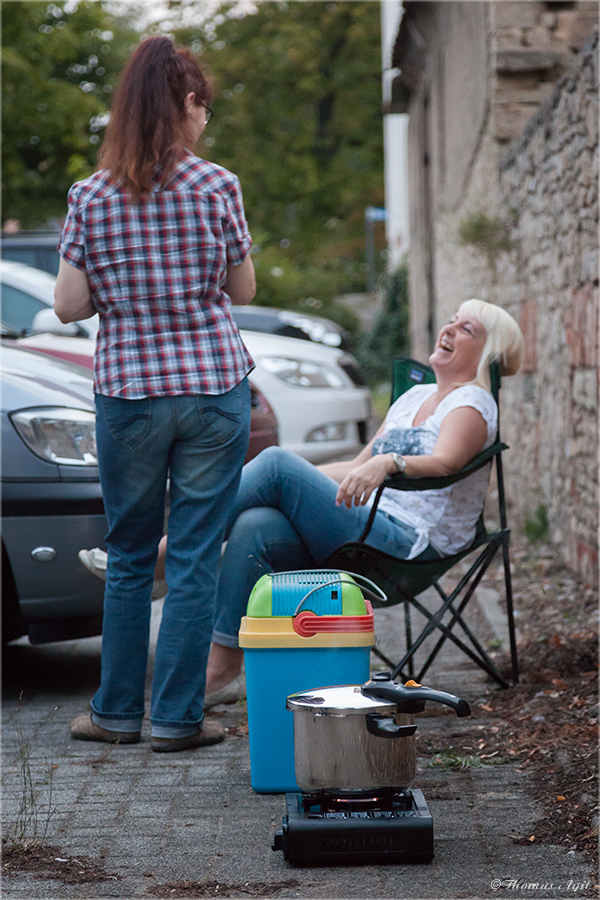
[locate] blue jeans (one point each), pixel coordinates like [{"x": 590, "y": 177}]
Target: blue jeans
[
  {"x": 198, "y": 442},
  {"x": 285, "y": 517}
]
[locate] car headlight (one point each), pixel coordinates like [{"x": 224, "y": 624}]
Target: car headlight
[
  {"x": 59, "y": 435},
  {"x": 334, "y": 431},
  {"x": 302, "y": 373}
]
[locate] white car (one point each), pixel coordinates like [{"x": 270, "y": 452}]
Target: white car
[
  {"x": 322, "y": 412},
  {"x": 316, "y": 392},
  {"x": 27, "y": 301}
]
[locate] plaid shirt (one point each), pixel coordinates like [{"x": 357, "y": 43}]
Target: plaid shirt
[{"x": 156, "y": 272}]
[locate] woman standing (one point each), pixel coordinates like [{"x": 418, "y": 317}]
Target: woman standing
[{"x": 156, "y": 242}]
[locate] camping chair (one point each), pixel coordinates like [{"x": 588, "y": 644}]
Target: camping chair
[{"x": 403, "y": 580}]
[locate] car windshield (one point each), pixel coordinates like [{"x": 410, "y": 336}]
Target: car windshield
[
  {"x": 37, "y": 257},
  {"x": 19, "y": 308}
]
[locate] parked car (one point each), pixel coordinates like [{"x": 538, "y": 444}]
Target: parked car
[
  {"x": 290, "y": 323},
  {"x": 316, "y": 392},
  {"x": 51, "y": 499},
  {"x": 28, "y": 300},
  {"x": 264, "y": 430},
  {"x": 38, "y": 249},
  {"x": 322, "y": 413},
  {"x": 34, "y": 248}
]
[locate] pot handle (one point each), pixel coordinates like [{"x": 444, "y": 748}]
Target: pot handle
[
  {"x": 411, "y": 699},
  {"x": 384, "y": 727}
]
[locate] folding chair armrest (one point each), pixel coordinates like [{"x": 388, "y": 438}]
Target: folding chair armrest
[{"x": 403, "y": 483}]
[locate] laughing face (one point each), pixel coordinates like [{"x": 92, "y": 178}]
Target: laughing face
[{"x": 458, "y": 348}]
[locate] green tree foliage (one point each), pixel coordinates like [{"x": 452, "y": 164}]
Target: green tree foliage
[
  {"x": 297, "y": 98},
  {"x": 389, "y": 336},
  {"x": 298, "y": 117},
  {"x": 59, "y": 63}
]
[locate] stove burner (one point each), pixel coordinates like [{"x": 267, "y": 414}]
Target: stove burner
[
  {"x": 357, "y": 801},
  {"x": 327, "y": 829}
]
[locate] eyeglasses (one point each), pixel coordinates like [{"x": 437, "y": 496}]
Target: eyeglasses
[{"x": 209, "y": 113}]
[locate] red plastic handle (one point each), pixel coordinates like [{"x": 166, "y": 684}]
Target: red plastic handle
[{"x": 307, "y": 623}]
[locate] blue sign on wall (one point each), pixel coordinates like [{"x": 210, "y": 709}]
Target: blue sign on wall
[{"x": 375, "y": 213}]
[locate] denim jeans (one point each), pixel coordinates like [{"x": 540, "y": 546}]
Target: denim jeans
[
  {"x": 198, "y": 442},
  {"x": 285, "y": 517}
]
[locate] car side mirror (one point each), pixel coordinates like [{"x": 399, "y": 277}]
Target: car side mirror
[{"x": 46, "y": 320}]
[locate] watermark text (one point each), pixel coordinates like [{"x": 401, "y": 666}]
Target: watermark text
[{"x": 522, "y": 884}]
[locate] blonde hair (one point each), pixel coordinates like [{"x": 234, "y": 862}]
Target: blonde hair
[{"x": 504, "y": 342}]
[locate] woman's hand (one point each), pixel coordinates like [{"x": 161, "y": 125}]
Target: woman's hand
[
  {"x": 339, "y": 470},
  {"x": 359, "y": 484}
]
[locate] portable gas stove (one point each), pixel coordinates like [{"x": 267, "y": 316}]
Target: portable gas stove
[
  {"x": 328, "y": 829},
  {"x": 354, "y": 754}
]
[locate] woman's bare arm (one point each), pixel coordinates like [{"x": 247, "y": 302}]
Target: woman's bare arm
[
  {"x": 462, "y": 436},
  {"x": 72, "y": 299},
  {"x": 241, "y": 282}
]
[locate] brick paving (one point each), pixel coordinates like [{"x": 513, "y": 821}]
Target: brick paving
[{"x": 189, "y": 824}]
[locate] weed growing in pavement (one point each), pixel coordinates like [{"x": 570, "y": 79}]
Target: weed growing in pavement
[
  {"x": 33, "y": 815},
  {"x": 450, "y": 759}
]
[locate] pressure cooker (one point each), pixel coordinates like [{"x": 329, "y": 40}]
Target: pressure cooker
[{"x": 360, "y": 738}]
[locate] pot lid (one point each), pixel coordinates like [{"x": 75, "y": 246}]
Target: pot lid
[{"x": 342, "y": 700}]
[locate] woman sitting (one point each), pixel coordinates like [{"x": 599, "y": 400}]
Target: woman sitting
[{"x": 290, "y": 514}]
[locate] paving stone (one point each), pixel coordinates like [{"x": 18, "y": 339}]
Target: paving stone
[{"x": 192, "y": 817}]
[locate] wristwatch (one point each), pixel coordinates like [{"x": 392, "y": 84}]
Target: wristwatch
[{"x": 399, "y": 461}]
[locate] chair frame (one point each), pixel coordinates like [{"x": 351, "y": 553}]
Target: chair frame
[{"x": 376, "y": 565}]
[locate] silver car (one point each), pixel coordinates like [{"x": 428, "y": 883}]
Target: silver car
[
  {"x": 51, "y": 499},
  {"x": 317, "y": 392}
]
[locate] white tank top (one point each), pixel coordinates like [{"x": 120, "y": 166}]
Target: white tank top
[{"x": 445, "y": 518}]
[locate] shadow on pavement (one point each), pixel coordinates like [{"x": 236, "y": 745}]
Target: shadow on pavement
[{"x": 60, "y": 670}]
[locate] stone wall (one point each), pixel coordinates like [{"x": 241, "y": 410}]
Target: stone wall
[
  {"x": 449, "y": 112},
  {"x": 523, "y": 155},
  {"x": 534, "y": 43},
  {"x": 475, "y": 73},
  {"x": 548, "y": 190}
]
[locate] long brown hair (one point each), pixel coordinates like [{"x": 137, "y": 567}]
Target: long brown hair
[{"x": 148, "y": 116}]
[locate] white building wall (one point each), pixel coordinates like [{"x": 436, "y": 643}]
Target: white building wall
[{"x": 395, "y": 136}]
